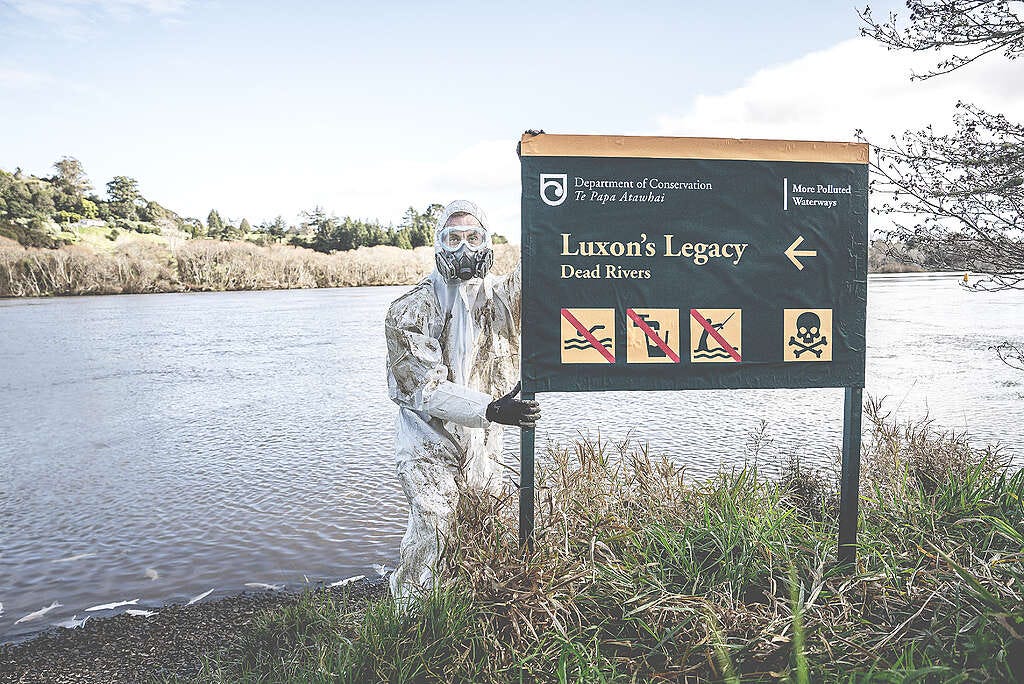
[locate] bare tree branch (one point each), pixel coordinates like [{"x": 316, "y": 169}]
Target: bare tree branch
[
  {"x": 1010, "y": 354},
  {"x": 970, "y": 28}
]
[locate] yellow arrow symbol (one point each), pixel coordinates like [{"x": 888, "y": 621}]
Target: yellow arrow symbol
[{"x": 792, "y": 252}]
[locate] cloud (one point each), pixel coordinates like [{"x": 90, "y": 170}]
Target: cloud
[{"x": 856, "y": 84}]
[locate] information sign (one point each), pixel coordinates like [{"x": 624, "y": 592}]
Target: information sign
[
  {"x": 695, "y": 263},
  {"x": 689, "y": 263}
]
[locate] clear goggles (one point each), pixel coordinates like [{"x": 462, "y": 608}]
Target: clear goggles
[{"x": 453, "y": 237}]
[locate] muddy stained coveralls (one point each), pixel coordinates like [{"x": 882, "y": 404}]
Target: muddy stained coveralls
[{"x": 452, "y": 349}]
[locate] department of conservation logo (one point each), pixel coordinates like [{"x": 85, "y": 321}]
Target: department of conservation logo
[{"x": 552, "y": 188}]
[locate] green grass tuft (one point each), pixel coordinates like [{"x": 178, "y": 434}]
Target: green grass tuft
[{"x": 641, "y": 575}]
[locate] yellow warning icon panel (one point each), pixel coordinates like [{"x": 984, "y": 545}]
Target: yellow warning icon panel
[
  {"x": 807, "y": 334},
  {"x": 652, "y": 336},
  {"x": 715, "y": 335},
  {"x": 588, "y": 335}
]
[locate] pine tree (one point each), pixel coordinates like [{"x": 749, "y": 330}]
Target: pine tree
[{"x": 214, "y": 225}]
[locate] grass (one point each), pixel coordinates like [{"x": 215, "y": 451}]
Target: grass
[{"x": 641, "y": 575}]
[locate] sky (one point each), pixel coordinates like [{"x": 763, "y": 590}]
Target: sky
[{"x": 266, "y": 108}]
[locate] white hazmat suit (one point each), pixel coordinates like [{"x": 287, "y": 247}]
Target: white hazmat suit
[{"x": 453, "y": 347}]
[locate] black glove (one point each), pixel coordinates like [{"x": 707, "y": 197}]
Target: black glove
[{"x": 511, "y": 411}]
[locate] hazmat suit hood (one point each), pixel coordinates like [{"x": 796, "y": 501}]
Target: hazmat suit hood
[{"x": 465, "y": 263}]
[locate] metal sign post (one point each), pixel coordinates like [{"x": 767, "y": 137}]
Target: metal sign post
[
  {"x": 694, "y": 263},
  {"x": 849, "y": 485},
  {"x": 526, "y": 482}
]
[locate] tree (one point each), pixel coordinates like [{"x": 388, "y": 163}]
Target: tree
[
  {"x": 400, "y": 238},
  {"x": 420, "y": 226},
  {"x": 152, "y": 211},
  {"x": 321, "y": 226},
  {"x": 214, "y": 224},
  {"x": 232, "y": 232},
  {"x": 194, "y": 227},
  {"x": 124, "y": 197},
  {"x": 69, "y": 187},
  {"x": 89, "y": 208},
  {"x": 274, "y": 229},
  {"x": 244, "y": 227},
  {"x": 26, "y": 210},
  {"x": 375, "y": 234},
  {"x": 70, "y": 177},
  {"x": 956, "y": 199},
  {"x": 277, "y": 228}
]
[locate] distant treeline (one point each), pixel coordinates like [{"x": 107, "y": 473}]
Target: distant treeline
[
  {"x": 45, "y": 211},
  {"x": 62, "y": 211},
  {"x": 893, "y": 256}
]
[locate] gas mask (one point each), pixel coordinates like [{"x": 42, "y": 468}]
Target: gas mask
[{"x": 463, "y": 253}]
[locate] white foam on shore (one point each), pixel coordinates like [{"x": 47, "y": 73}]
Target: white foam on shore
[
  {"x": 264, "y": 585},
  {"x": 38, "y": 614},
  {"x": 109, "y": 606},
  {"x": 350, "y": 580}
]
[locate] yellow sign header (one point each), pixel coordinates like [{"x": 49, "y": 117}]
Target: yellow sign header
[{"x": 550, "y": 145}]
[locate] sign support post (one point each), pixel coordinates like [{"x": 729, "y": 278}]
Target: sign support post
[
  {"x": 526, "y": 480},
  {"x": 849, "y": 487}
]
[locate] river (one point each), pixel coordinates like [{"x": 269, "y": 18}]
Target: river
[{"x": 154, "y": 447}]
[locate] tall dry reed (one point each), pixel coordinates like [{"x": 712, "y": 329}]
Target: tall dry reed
[
  {"x": 73, "y": 270},
  {"x": 209, "y": 265}
]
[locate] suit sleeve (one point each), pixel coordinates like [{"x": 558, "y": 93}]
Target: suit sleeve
[{"x": 417, "y": 376}]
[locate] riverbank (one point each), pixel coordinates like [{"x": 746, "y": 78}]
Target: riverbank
[
  {"x": 641, "y": 574},
  {"x": 142, "y": 265},
  {"x": 173, "y": 644}
]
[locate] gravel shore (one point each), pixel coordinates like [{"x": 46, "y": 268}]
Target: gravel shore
[{"x": 167, "y": 645}]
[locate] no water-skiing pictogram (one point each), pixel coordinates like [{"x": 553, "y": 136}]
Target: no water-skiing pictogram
[
  {"x": 652, "y": 336},
  {"x": 715, "y": 335},
  {"x": 588, "y": 335}
]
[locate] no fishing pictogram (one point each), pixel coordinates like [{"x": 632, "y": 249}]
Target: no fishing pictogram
[
  {"x": 715, "y": 335},
  {"x": 588, "y": 335},
  {"x": 652, "y": 336}
]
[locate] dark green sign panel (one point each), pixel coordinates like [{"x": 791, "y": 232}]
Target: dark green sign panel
[{"x": 684, "y": 263}]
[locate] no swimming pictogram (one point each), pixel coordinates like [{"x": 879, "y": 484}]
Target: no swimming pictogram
[
  {"x": 715, "y": 335},
  {"x": 588, "y": 335}
]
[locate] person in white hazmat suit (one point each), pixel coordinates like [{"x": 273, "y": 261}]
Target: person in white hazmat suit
[{"x": 453, "y": 348}]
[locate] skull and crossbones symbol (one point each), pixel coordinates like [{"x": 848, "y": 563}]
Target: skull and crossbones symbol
[{"x": 808, "y": 335}]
